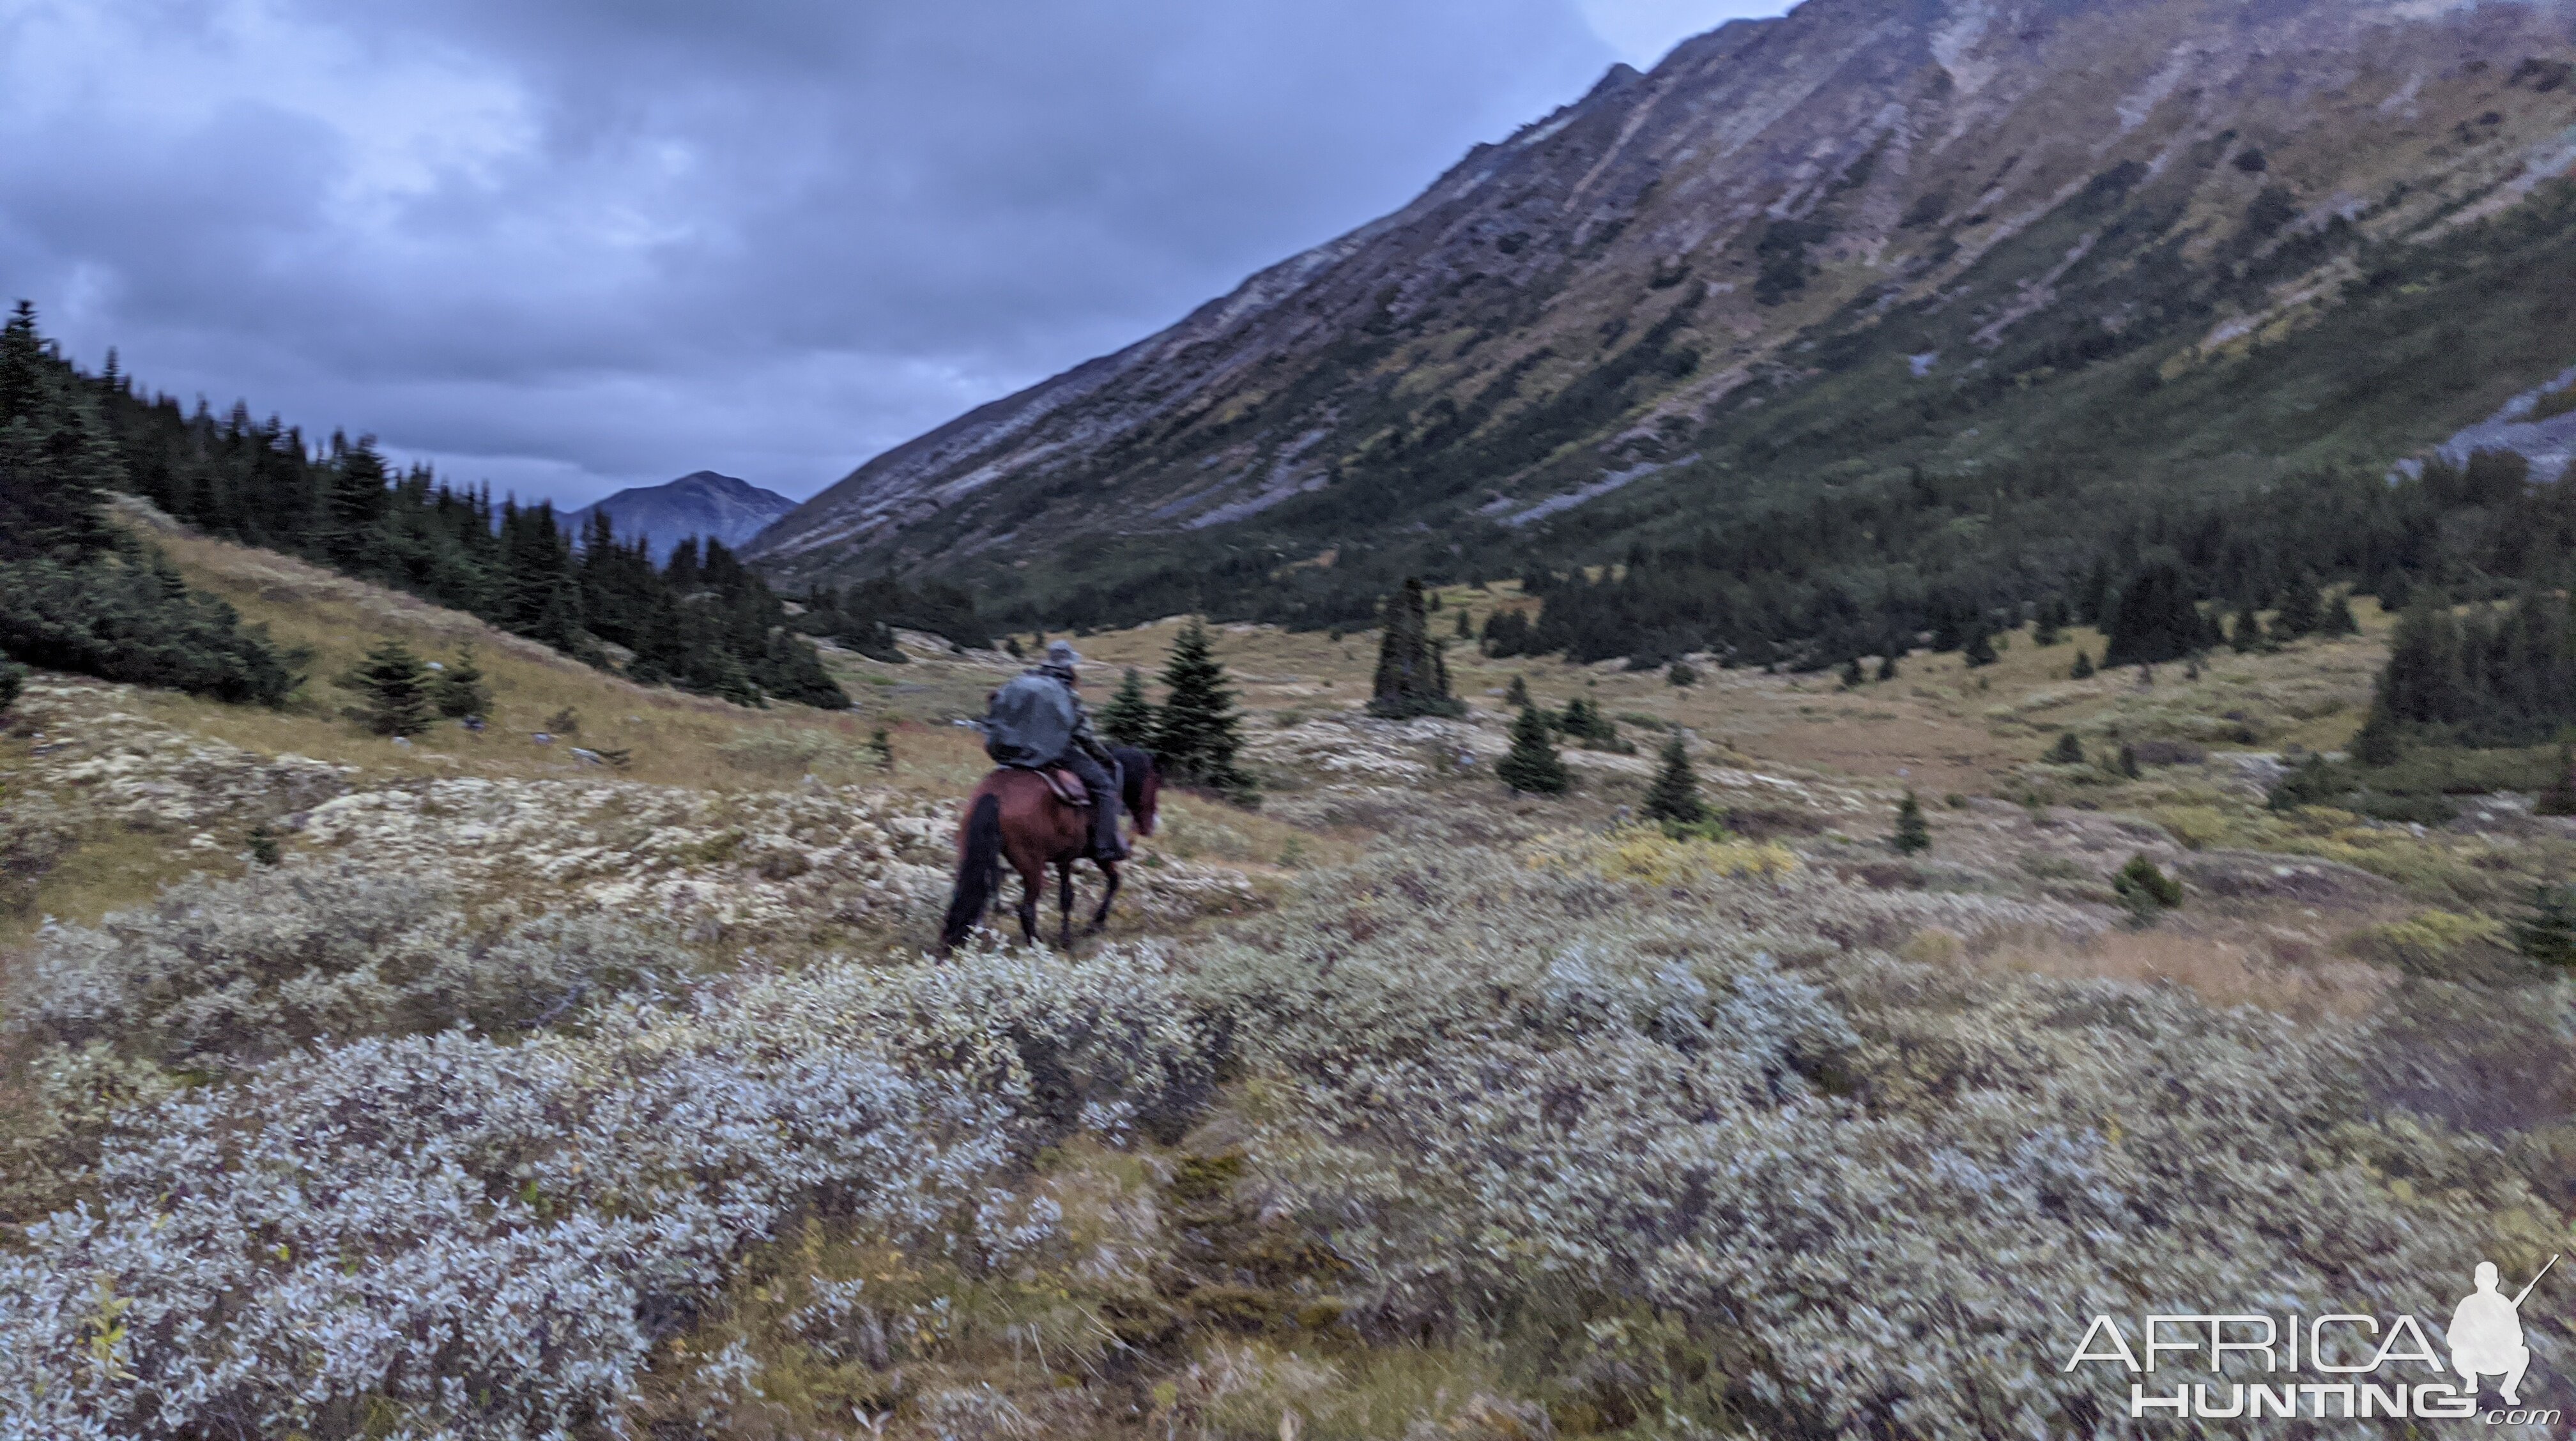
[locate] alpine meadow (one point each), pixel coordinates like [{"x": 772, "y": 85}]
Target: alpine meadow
[{"x": 1873, "y": 736}]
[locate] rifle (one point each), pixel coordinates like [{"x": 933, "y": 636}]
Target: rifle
[{"x": 2525, "y": 1291}]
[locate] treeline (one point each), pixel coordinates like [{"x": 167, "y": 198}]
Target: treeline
[
  {"x": 865, "y": 616},
  {"x": 700, "y": 621},
  {"x": 1812, "y": 586},
  {"x": 2485, "y": 676},
  {"x": 77, "y": 594}
]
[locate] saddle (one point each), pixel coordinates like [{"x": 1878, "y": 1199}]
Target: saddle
[{"x": 1068, "y": 788}]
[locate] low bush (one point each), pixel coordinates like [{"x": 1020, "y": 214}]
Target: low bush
[
  {"x": 220, "y": 976},
  {"x": 125, "y": 621},
  {"x": 455, "y": 1235},
  {"x": 1517, "y": 1108}
]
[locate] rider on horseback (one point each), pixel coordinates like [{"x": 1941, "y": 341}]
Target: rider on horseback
[{"x": 1037, "y": 722}]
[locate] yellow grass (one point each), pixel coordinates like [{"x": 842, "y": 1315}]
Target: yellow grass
[{"x": 2220, "y": 972}]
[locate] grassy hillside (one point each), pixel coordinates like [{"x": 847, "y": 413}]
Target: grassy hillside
[{"x": 2002, "y": 473}]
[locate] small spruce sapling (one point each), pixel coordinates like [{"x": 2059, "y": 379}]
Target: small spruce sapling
[
  {"x": 2069, "y": 751},
  {"x": 396, "y": 686},
  {"x": 1533, "y": 767},
  {"x": 1682, "y": 674},
  {"x": 1198, "y": 731},
  {"x": 1517, "y": 694},
  {"x": 2083, "y": 669},
  {"x": 1913, "y": 833},
  {"x": 2144, "y": 891},
  {"x": 881, "y": 746},
  {"x": 1673, "y": 800},
  {"x": 1853, "y": 678},
  {"x": 459, "y": 690},
  {"x": 1887, "y": 666}
]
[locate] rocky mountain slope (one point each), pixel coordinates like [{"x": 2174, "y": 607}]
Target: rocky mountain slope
[
  {"x": 701, "y": 503},
  {"x": 1947, "y": 210}
]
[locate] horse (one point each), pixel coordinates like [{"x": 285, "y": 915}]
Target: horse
[{"x": 1015, "y": 815}]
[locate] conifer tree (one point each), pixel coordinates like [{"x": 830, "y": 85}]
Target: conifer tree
[
  {"x": 1674, "y": 797},
  {"x": 1887, "y": 666},
  {"x": 1980, "y": 649},
  {"x": 2069, "y": 751},
  {"x": 396, "y": 686},
  {"x": 1128, "y": 719},
  {"x": 57, "y": 461},
  {"x": 881, "y": 745},
  {"x": 13, "y": 678},
  {"x": 2248, "y": 636},
  {"x": 1853, "y": 678},
  {"x": 1466, "y": 624},
  {"x": 2050, "y": 626},
  {"x": 1198, "y": 732},
  {"x": 357, "y": 499},
  {"x": 2301, "y": 609},
  {"x": 2558, "y": 798},
  {"x": 1517, "y": 694},
  {"x": 2338, "y": 619},
  {"x": 1682, "y": 674},
  {"x": 2548, "y": 934},
  {"x": 2083, "y": 669},
  {"x": 1913, "y": 833},
  {"x": 2379, "y": 742},
  {"x": 1412, "y": 675},
  {"x": 2145, "y": 891},
  {"x": 459, "y": 691},
  {"x": 2156, "y": 620},
  {"x": 1533, "y": 767}
]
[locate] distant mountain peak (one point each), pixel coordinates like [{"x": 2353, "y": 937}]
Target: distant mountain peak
[{"x": 704, "y": 504}]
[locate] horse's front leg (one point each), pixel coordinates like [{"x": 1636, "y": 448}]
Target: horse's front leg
[
  {"x": 1100, "y": 918},
  {"x": 1031, "y": 882},
  {"x": 1064, "y": 903}
]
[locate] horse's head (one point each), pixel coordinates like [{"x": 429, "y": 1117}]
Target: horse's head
[{"x": 1141, "y": 784}]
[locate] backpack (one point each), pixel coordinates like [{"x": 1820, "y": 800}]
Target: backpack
[{"x": 1031, "y": 722}]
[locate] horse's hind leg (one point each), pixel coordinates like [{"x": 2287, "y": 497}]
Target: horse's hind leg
[
  {"x": 1100, "y": 918},
  {"x": 1064, "y": 903},
  {"x": 1032, "y": 881}
]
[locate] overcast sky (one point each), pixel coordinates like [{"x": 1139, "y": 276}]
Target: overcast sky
[{"x": 574, "y": 245}]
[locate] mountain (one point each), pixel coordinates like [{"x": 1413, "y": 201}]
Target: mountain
[
  {"x": 701, "y": 503},
  {"x": 2016, "y": 273}
]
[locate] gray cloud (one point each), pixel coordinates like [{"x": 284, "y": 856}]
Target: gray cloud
[{"x": 574, "y": 246}]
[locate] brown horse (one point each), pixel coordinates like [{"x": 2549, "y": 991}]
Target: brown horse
[{"x": 1014, "y": 815}]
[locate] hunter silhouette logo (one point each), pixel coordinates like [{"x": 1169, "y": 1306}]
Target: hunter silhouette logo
[{"x": 2486, "y": 1334}]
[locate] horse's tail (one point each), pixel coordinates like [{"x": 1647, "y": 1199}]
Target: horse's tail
[{"x": 979, "y": 870}]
